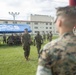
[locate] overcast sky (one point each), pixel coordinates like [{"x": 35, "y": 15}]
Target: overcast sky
[{"x": 27, "y": 7}]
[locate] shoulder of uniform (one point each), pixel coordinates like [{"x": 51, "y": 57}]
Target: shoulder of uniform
[
  {"x": 48, "y": 48},
  {"x": 50, "y": 44}
]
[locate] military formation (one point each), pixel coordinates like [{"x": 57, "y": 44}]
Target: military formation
[
  {"x": 26, "y": 41},
  {"x": 12, "y": 39}
]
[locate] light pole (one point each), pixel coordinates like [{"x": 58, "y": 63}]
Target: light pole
[{"x": 14, "y": 15}]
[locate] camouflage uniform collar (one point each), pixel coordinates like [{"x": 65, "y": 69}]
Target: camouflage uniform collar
[{"x": 66, "y": 34}]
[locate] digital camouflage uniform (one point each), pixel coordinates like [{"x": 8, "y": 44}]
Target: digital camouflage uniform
[
  {"x": 59, "y": 56},
  {"x": 44, "y": 36},
  {"x": 26, "y": 44},
  {"x": 47, "y": 36},
  {"x": 50, "y": 36},
  {"x": 38, "y": 40},
  {"x": 4, "y": 38}
]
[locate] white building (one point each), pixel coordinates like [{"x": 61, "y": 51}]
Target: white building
[{"x": 37, "y": 23}]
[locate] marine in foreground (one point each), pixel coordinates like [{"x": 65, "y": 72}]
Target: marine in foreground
[{"x": 58, "y": 57}]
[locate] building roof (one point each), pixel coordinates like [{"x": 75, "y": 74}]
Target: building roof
[{"x": 25, "y": 21}]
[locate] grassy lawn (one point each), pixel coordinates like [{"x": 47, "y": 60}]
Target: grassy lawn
[{"x": 12, "y": 61}]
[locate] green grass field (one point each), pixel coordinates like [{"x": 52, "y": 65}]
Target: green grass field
[{"x": 12, "y": 61}]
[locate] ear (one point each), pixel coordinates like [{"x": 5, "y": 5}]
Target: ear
[{"x": 60, "y": 23}]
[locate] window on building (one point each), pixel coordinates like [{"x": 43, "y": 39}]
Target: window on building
[
  {"x": 28, "y": 23},
  {"x": 36, "y": 31},
  {"x": 46, "y": 27},
  {"x": 36, "y": 23},
  {"x": 51, "y": 23},
  {"x": 14, "y": 22},
  {"x": 46, "y": 23},
  {"x": 6, "y": 22},
  {"x": 50, "y": 27},
  {"x": 36, "y": 27}
]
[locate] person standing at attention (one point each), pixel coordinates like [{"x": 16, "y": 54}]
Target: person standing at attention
[{"x": 4, "y": 38}]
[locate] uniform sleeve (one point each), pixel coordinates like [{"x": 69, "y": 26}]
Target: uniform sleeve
[
  {"x": 44, "y": 64},
  {"x": 47, "y": 59},
  {"x": 41, "y": 70}
]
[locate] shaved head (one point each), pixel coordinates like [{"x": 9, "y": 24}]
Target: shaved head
[{"x": 67, "y": 15}]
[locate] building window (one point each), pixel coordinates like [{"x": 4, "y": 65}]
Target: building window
[
  {"x": 28, "y": 23},
  {"x": 36, "y": 23},
  {"x": 14, "y": 22},
  {"x": 6, "y": 22},
  {"x": 46, "y": 23},
  {"x": 51, "y": 23},
  {"x": 50, "y": 27},
  {"x": 46, "y": 27},
  {"x": 36, "y": 27},
  {"x": 36, "y": 31}
]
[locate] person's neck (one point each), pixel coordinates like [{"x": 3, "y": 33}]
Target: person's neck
[{"x": 64, "y": 31}]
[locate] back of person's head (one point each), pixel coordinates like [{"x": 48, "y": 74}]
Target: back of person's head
[
  {"x": 38, "y": 33},
  {"x": 67, "y": 15},
  {"x": 26, "y": 30}
]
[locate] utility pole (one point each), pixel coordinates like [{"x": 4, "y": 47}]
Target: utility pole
[{"x": 14, "y": 15}]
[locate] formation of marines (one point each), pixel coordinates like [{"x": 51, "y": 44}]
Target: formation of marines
[{"x": 11, "y": 39}]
